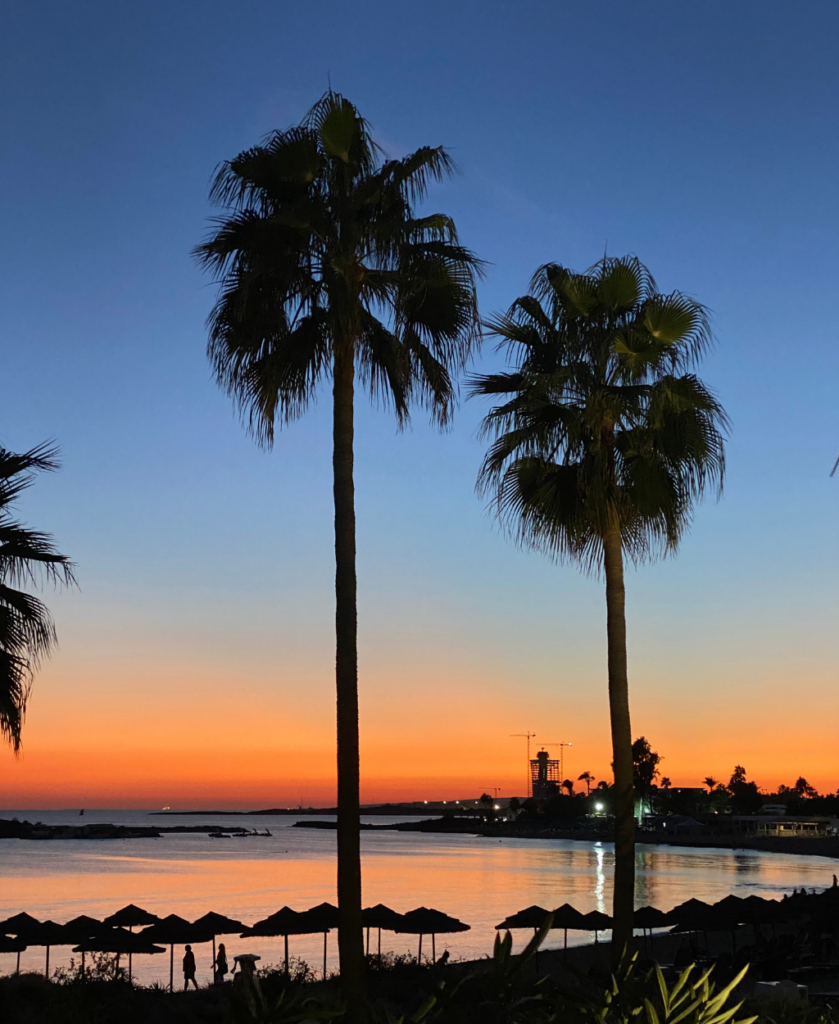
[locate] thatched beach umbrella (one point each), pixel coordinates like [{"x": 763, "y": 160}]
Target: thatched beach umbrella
[
  {"x": 8, "y": 945},
  {"x": 120, "y": 942},
  {"x": 82, "y": 928},
  {"x": 688, "y": 910},
  {"x": 424, "y": 921},
  {"x": 323, "y": 917},
  {"x": 380, "y": 917},
  {"x": 13, "y": 925},
  {"x": 218, "y": 924},
  {"x": 647, "y": 918},
  {"x": 566, "y": 917},
  {"x": 597, "y": 922},
  {"x": 131, "y": 917},
  {"x": 172, "y": 931},
  {"x": 45, "y": 933},
  {"x": 532, "y": 917},
  {"x": 18, "y": 926},
  {"x": 284, "y": 922}
]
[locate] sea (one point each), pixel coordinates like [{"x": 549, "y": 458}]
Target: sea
[{"x": 476, "y": 879}]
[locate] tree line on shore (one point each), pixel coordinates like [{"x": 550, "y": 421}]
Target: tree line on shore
[{"x": 602, "y": 438}]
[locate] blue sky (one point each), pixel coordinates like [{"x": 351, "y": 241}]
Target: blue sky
[{"x": 703, "y": 138}]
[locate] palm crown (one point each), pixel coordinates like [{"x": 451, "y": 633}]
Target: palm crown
[
  {"x": 27, "y": 633},
  {"x": 321, "y": 248},
  {"x": 602, "y": 423}
]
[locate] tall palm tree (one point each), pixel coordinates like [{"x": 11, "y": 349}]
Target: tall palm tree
[
  {"x": 604, "y": 442},
  {"x": 711, "y": 783},
  {"x": 27, "y": 633},
  {"x": 327, "y": 272}
]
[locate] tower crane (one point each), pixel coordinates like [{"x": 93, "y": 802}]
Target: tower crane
[{"x": 529, "y": 736}]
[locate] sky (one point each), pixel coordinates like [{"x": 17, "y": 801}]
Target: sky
[{"x": 195, "y": 666}]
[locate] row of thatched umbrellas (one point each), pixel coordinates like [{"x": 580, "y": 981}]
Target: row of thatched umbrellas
[
  {"x": 693, "y": 915},
  {"x": 114, "y": 934}
]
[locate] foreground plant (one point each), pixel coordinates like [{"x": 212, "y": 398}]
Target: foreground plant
[
  {"x": 604, "y": 443},
  {"x": 27, "y": 633},
  {"x": 328, "y": 273}
]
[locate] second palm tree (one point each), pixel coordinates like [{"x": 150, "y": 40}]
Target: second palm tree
[{"x": 603, "y": 446}]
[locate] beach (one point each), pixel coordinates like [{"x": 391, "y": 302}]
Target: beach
[{"x": 475, "y": 878}]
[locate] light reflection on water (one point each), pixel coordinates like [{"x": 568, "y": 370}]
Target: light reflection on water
[{"x": 479, "y": 880}]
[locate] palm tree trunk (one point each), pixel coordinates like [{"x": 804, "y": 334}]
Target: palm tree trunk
[
  {"x": 623, "y": 805},
  {"x": 350, "y": 935}
]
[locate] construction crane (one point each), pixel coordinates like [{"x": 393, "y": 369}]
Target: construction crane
[{"x": 529, "y": 736}]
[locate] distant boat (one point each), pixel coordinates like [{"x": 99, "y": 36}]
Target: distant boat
[
  {"x": 81, "y": 811},
  {"x": 166, "y": 808}
]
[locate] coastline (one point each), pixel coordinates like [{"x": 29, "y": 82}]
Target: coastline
[{"x": 827, "y": 846}]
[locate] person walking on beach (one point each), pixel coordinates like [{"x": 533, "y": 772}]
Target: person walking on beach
[
  {"x": 189, "y": 969},
  {"x": 220, "y": 964}
]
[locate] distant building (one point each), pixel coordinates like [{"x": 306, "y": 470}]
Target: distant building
[
  {"x": 544, "y": 774},
  {"x": 793, "y": 828}
]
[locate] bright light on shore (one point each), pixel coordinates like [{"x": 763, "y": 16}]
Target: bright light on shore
[{"x": 598, "y": 807}]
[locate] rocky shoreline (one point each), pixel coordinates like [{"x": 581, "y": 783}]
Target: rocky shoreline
[{"x": 13, "y": 829}]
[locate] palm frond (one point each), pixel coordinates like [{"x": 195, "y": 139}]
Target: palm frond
[{"x": 27, "y": 557}]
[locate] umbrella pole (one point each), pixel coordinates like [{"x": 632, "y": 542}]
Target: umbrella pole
[
  {"x": 116, "y": 972},
  {"x": 214, "y": 957},
  {"x": 172, "y": 967},
  {"x": 130, "y": 966},
  {"x": 380, "y": 947},
  {"x": 82, "y": 963},
  {"x": 286, "y": 954},
  {"x": 47, "y": 968},
  {"x": 433, "y": 949},
  {"x": 324, "y": 950},
  {"x": 565, "y": 953},
  {"x": 419, "y": 954},
  {"x": 17, "y": 969},
  {"x": 368, "y": 942}
]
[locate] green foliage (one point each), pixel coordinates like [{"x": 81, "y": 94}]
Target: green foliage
[
  {"x": 629, "y": 1000},
  {"x": 292, "y": 1005}
]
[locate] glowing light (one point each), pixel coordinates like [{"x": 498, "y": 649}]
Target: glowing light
[{"x": 598, "y": 807}]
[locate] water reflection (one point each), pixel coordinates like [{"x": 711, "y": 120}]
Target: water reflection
[{"x": 600, "y": 886}]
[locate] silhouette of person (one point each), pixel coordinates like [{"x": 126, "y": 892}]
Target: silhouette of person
[
  {"x": 220, "y": 964},
  {"x": 189, "y": 968}
]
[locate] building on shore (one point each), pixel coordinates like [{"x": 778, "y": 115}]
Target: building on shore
[{"x": 544, "y": 775}]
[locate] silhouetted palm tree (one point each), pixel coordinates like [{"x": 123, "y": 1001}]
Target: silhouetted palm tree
[
  {"x": 27, "y": 633},
  {"x": 327, "y": 272},
  {"x": 587, "y": 778},
  {"x": 568, "y": 784},
  {"x": 710, "y": 782},
  {"x": 604, "y": 443},
  {"x": 666, "y": 783}
]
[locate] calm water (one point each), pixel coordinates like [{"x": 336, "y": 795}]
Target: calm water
[{"x": 479, "y": 880}]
